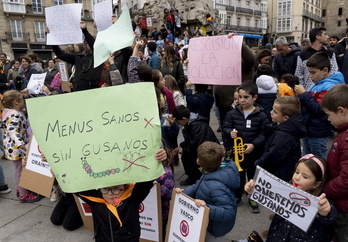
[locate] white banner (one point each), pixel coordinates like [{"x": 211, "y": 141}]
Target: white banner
[
  {"x": 63, "y": 21},
  {"x": 293, "y": 204},
  {"x": 34, "y": 162},
  {"x": 103, "y": 15},
  {"x": 36, "y": 82}
]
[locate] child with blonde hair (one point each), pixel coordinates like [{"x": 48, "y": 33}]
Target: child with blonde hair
[
  {"x": 172, "y": 85},
  {"x": 16, "y": 137}
]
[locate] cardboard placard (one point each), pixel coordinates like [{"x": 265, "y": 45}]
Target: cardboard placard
[
  {"x": 85, "y": 212},
  {"x": 64, "y": 76},
  {"x": 189, "y": 222},
  {"x": 36, "y": 175},
  {"x": 150, "y": 216},
  {"x": 215, "y": 60},
  {"x": 291, "y": 203}
]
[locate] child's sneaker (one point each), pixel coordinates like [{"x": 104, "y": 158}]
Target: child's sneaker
[
  {"x": 4, "y": 189},
  {"x": 29, "y": 198},
  {"x": 254, "y": 207}
]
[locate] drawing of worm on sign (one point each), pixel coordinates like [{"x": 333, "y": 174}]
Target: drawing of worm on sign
[{"x": 97, "y": 174}]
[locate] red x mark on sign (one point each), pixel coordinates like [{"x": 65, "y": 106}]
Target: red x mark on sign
[
  {"x": 133, "y": 163},
  {"x": 148, "y": 122}
]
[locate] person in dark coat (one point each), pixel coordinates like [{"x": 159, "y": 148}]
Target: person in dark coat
[
  {"x": 286, "y": 59},
  {"x": 170, "y": 65},
  {"x": 200, "y": 102},
  {"x": 246, "y": 121},
  {"x": 86, "y": 76},
  {"x": 196, "y": 131},
  {"x": 51, "y": 71},
  {"x": 283, "y": 147}
]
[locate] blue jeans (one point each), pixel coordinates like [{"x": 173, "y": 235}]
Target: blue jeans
[{"x": 315, "y": 146}]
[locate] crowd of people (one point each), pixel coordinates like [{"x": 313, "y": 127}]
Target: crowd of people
[{"x": 287, "y": 94}]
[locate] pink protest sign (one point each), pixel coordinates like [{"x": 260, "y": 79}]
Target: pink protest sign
[{"x": 215, "y": 60}]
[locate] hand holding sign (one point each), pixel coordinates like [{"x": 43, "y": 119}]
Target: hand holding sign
[{"x": 324, "y": 205}]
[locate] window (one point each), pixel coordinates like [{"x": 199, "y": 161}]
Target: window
[
  {"x": 257, "y": 6},
  {"x": 37, "y": 6},
  {"x": 247, "y": 23},
  {"x": 264, "y": 7},
  {"x": 238, "y": 21},
  {"x": 247, "y": 4},
  {"x": 264, "y": 23},
  {"x": 238, "y": 3},
  {"x": 222, "y": 17},
  {"x": 16, "y": 29},
  {"x": 284, "y": 8},
  {"x": 340, "y": 12},
  {"x": 58, "y": 2},
  {"x": 339, "y": 23},
  {"x": 256, "y": 23},
  {"x": 228, "y": 20},
  {"x": 39, "y": 31},
  {"x": 17, "y": 6},
  {"x": 284, "y": 24}
]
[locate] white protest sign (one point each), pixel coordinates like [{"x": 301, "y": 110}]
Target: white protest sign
[
  {"x": 36, "y": 82},
  {"x": 34, "y": 162},
  {"x": 150, "y": 216},
  {"x": 186, "y": 222},
  {"x": 103, "y": 15},
  {"x": 149, "y": 22},
  {"x": 63, "y": 71},
  {"x": 119, "y": 35},
  {"x": 63, "y": 21},
  {"x": 215, "y": 60},
  {"x": 293, "y": 204}
]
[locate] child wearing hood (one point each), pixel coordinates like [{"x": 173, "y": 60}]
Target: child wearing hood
[{"x": 267, "y": 89}]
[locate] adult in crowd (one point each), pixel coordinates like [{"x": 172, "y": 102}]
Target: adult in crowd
[
  {"x": 340, "y": 50},
  {"x": 170, "y": 65},
  {"x": 286, "y": 59},
  {"x": 86, "y": 77},
  {"x": 51, "y": 71},
  {"x": 305, "y": 43},
  {"x": 318, "y": 37},
  {"x": 333, "y": 42},
  {"x": 25, "y": 72},
  {"x": 5, "y": 63},
  {"x": 154, "y": 60}
]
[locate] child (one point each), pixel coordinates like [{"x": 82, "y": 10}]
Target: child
[
  {"x": 200, "y": 102},
  {"x": 172, "y": 85},
  {"x": 196, "y": 131},
  {"x": 283, "y": 148},
  {"x": 287, "y": 85},
  {"x": 335, "y": 105},
  {"x": 215, "y": 190},
  {"x": 16, "y": 138},
  {"x": 310, "y": 176},
  {"x": 115, "y": 209},
  {"x": 317, "y": 125},
  {"x": 267, "y": 89},
  {"x": 167, "y": 184},
  {"x": 248, "y": 121}
]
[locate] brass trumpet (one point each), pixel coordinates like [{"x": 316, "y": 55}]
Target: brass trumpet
[{"x": 238, "y": 150}]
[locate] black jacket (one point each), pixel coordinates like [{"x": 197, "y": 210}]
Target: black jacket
[
  {"x": 106, "y": 225},
  {"x": 86, "y": 77},
  {"x": 283, "y": 148},
  {"x": 195, "y": 133},
  {"x": 266, "y": 100},
  {"x": 285, "y": 64},
  {"x": 340, "y": 49},
  {"x": 200, "y": 103}
]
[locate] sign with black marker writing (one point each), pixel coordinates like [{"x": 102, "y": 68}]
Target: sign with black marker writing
[
  {"x": 186, "y": 222},
  {"x": 215, "y": 60},
  {"x": 101, "y": 137},
  {"x": 293, "y": 204}
]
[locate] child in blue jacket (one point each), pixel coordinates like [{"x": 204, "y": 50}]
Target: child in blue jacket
[{"x": 215, "y": 190}]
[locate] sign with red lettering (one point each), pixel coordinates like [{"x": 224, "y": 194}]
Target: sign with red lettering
[
  {"x": 150, "y": 216},
  {"x": 293, "y": 204},
  {"x": 186, "y": 222}
]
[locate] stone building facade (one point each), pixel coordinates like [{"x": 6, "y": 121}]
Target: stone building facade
[{"x": 334, "y": 15}]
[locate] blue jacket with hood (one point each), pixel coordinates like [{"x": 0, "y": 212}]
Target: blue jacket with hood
[
  {"x": 216, "y": 189},
  {"x": 314, "y": 117}
]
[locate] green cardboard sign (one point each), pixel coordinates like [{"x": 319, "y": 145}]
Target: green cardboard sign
[{"x": 101, "y": 137}]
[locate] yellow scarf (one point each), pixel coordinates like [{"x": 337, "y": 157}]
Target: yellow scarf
[{"x": 112, "y": 207}]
